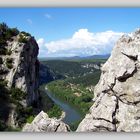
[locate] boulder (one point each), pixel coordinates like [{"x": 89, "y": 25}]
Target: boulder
[{"x": 42, "y": 123}]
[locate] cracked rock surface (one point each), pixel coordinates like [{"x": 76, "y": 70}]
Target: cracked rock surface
[
  {"x": 42, "y": 123},
  {"x": 24, "y": 73},
  {"x": 117, "y": 94}
]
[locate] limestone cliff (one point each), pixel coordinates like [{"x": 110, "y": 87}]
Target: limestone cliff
[
  {"x": 19, "y": 69},
  {"x": 117, "y": 95}
]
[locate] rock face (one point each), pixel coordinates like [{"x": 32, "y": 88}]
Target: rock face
[
  {"x": 20, "y": 67},
  {"x": 19, "y": 77},
  {"x": 46, "y": 74},
  {"x": 42, "y": 123},
  {"x": 117, "y": 95}
]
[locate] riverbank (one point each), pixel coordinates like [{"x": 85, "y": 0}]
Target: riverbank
[
  {"x": 76, "y": 95},
  {"x": 48, "y": 105},
  {"x": 69, "y": 114},
  {"x": 72, "y": 114}
]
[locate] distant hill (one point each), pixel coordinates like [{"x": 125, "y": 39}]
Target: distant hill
[
  {"x": 75, "y": 68},
  {"x": 98, "y": 56},
  {"x": 106, "y": 56}
]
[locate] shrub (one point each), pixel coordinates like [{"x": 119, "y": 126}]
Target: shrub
[
  {"x": 2, "y": 126},
  {"x": 86, "y": 98},
  {"x": 55, "y": 111},
  {"x": 24, "y": 114},
  {"x": 11, "y": 129},
  {"x": 14, "y": 31},
  {"x": 17, "y": 94},
  {"x": 9, "y": 62},
  {"x": 9, "y": 52},
  {"x": 10, "y": 66},
  {"x": 25, "y": 33},
  {"x": 3, "y": 50},
  {"x": 1, "y": 61},
  {"x": 22, "y": 39},
  {"x": 2, "y": 41},
  {"x": 3, "y": 27},
  {"x": 30, "y": 119},
  {"x": 29, "y": 110},
  {"x": 3, "y": 83},
  {"x": 4, "y": 93},
  {"x": 6, "y": 33}
]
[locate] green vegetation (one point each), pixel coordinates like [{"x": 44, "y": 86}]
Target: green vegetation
[
  {"x": 17, "y": 94},
  {"x": 55, "y": 111},
  {"x": 4, "y": 103},
  {"x": 9, "y": 62},
  {"x": 13, "y": 96},
  {"x": 1, "y": 61},
  {"x": 24, "y": 114},
  {"x": 25, "y": 33},
  {"x": 76, "y": 85},
  {"x": 8, "y": 52},
  {"x": 22, "y": 38},
  {"x": 4, "y": 92},
  {"x": 3, "y": 51},
  {"x": 77, "y": 88},
  {"x": 89, "y": 60},
  {"x": 6, "y": 34},
  {"x": 48, "y": 105},
  {"x": 74, "y": 125},
  {"x": 30, "y": 119},
  {"x": 71, "y": 68},
  {"x": 73, "y": 94},
  {"x": 86, "y": 80}
]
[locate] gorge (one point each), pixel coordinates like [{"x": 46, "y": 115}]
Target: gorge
[{"x": 93, "y": 87}]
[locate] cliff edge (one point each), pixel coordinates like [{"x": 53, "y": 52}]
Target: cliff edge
[
  {"x": 19, "y": 75},
  {"x": 117, "y": 95}
]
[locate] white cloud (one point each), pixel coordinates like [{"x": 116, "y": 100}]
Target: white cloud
[
  {"x": 48, "y": 16},
  {"x": 29, "y": 21},
  {"x": 82, "y": 43},
  {"x": 42, "y": 48},
  {"x": 41, "y": 42}
]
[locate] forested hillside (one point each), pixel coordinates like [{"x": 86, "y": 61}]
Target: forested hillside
[{"x": 77, "y": 80}]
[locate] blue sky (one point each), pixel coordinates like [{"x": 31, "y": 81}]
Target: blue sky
[{"x": 73, "y": 31}]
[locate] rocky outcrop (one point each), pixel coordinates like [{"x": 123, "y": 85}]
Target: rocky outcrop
[
  {"x": 19, "y": 76},
  {"x": 117, "y": 95},
  {"x": 20, "y": 66},
  {"x": 42, "y": 123}
]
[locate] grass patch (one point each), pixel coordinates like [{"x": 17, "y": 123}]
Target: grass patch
[{"x": 30, "y": 119}]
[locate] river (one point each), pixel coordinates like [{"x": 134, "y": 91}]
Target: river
[{"x": 72, "y": 114}]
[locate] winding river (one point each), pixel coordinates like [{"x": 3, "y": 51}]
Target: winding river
[{"x": 72, "y": 114}]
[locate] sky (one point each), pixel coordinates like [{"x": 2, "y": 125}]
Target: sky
[{"x": 65, "y": 32}]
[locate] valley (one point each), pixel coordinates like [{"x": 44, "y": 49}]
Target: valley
[{"x": 72, "y": 87}]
